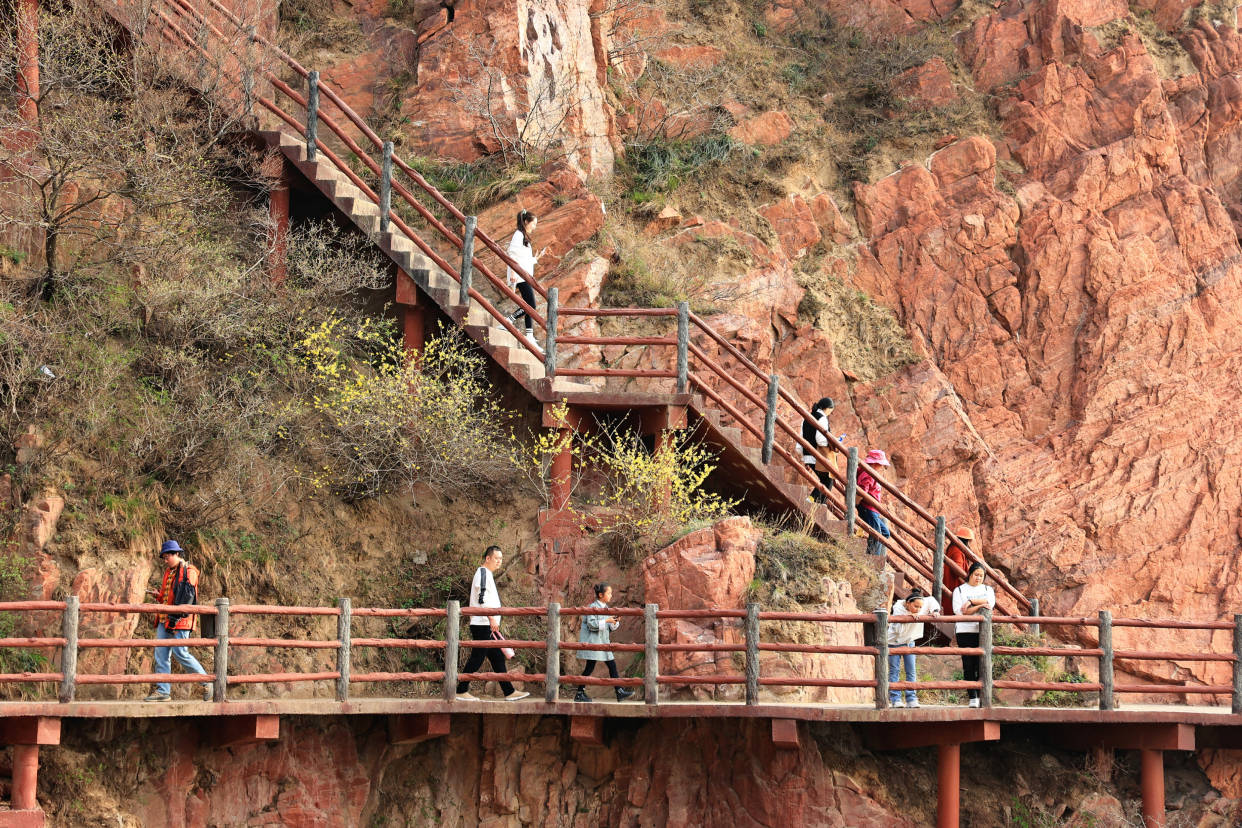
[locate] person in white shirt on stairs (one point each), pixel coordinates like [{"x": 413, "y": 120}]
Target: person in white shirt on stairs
[
  {"x": 483, "y": 593},
  {"x": 522, "y": 251},
  {"x": 971, "y": 598}
]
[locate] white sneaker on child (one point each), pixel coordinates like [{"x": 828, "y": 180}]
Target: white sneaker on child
[
  {"x": 898, "y": 703},
  {"x": 973, "y": 703},
  {"x": 913, "y": 703},
  {"x": 516, "y": 695}
]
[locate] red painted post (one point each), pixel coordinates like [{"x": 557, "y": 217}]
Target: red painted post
[
  {"x": 278, "y": 210},
  {"x": 28, "y": 59},
  {"x": 948, "y": 785},
  {"x": 1151, "y": 780},
  {"x": 562, "y": 470},
  {"x": 413, "y": 328},
  {"x": 25, "y": 777}
]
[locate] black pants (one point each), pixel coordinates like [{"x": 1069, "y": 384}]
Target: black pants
[
  {"x": 482, "y": 632},
  {"x": 528, "y": 296},
  {"x": 589, "y": 668},
  {"x": 970, "y": 663},
  {"x": 826, "y": 479}
]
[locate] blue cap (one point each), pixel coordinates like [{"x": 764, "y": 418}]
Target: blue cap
[{"x": 170, "y": 546}]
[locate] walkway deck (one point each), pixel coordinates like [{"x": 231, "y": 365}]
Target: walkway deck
[{"x": 811, "y": 712}]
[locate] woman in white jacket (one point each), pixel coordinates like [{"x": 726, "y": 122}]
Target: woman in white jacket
[
  {"x": 522, "y": 251},
  {"x": 907, "y": 635},
  {"x": 971, "y": 598}
]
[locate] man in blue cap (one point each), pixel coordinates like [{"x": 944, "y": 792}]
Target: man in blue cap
[{"x": 180, "y": 586}]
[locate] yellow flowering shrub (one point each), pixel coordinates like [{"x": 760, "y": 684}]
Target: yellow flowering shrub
[{"x": 376, "y": 419}]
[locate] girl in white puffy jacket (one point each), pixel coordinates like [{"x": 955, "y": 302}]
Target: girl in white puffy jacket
[{"x": 906, "y": 635}]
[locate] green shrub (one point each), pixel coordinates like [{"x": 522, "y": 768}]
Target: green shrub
[{"x": 662, "y": 165}]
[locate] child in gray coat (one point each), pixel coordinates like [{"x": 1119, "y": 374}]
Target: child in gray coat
[{"x": 597, "y": 629}]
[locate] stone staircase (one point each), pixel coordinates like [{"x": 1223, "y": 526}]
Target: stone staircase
[{"x": 526, "y": 368}]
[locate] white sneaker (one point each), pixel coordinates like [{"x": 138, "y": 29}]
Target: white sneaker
[
  {"x": 516, "y": 695},
  {"x": 973, "y": 703},
  {"x": 466, "y": 697},
  {"x": 898, "y": 703},
  {"x": 913, "y": 703}
]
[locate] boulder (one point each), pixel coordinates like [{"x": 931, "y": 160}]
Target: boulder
[
  {"x": 767, "y": 129},
  {"x": 794, "y": 223}
]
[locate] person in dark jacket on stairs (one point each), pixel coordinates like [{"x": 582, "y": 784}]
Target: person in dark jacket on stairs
[{"x": 816, "y": 433}]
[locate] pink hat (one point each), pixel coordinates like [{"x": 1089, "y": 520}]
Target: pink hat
[{"x": 875, "y": 457}]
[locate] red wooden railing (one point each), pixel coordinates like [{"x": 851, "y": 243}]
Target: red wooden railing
[
  {"x": 746, "y": 625},
  {"x": 914, "y": 535}
]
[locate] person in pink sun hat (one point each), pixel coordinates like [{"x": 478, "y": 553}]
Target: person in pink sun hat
[{"x": 866, "y": 481}]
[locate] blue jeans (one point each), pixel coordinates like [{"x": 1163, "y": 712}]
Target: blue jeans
[
  {"x": 894, "y": 672},
  {"x": 876, "y": 522},
  {"x": 182, "y": 655}
]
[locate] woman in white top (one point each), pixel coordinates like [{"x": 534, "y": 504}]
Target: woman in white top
[
  {"x": 971, "y": 598},
  {"x": 816, "y": 433},
  {"x": 907, "y": 635},
  {"x": 522, "y": 251}
]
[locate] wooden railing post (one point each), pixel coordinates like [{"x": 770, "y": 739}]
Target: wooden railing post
[
  {"x": 683, "y": 346},
  {"x": 1106, "y": 660},
  {"x": 881, "y": 659},
  {"x": 1237, "y": 664},
  {"x": 552, "y": 680},
  {"x": 312, "y": 114},
  {"x": 851, "y": 492},
  {"x": 752, "y": 653},
  {"x": 452, "y": 643},
  {"x": 467, "y": 261},
  {"x": 385, "y": 187},
  {"x": 985, "y": 661},
  {"x": 651, "y": 665},
  {"x": 220, "y": 691},
  {"x": 938, "y": 562},
  {"x": 69, "y": 653},
  {"x": 769, "y": 418},
  {"x": 342, "y": 653},
  {"x": 549, "y": 343},
  {"x": 1035, "y": 612}
]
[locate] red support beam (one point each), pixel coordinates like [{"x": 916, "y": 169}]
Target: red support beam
[
  {"x": 562, "y": 481},
  {"x": 785, "y": 734},
  {"x": 1129, "y": 736},
  {"x": 948, "y": 785},
  {"x": 28, "y": 60},
  {"x": 1151, "y": 780},
  {"x": 26, "y": 777},
  {"x": 901, "y": 735},
  {"x": 589, "y": 730},
  {"x": 278, "y": 212},
  {"x": 409, "y": 730},
  {"x": 30, "y": 730},
  {"x": 244, "y": 730}
]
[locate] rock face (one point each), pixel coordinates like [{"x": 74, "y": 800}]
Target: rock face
[{"x": 712, "y": 569}]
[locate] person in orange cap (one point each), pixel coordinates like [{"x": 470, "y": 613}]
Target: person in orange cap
[{"x": 957, "y": 554}]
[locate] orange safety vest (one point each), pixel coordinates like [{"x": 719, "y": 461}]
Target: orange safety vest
[{"x": 172, "y": 575}]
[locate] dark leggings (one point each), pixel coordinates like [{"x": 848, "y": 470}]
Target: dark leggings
[
  {"x": 970, "y": 663},
  {"x": 528, "y": 296},
  {"x": 483, "y": 632},
  {"x": 590, "y": 668},
  {"x": 826, "y": 479}
]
